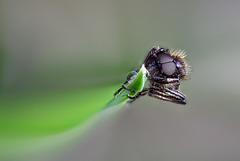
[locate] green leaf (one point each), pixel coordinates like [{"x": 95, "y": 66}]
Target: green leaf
[{"x": 136, "y": 83}]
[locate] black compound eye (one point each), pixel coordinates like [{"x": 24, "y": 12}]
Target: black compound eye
[
  {"x": 169, "y": 68},
  {"x": 164, "y": 58}
]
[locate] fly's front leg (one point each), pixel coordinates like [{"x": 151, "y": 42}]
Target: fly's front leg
[
  {"x": 130, "y": 76},
  {"x": 120, "y": 89},
  {"x": 151, "y": 54},
  {"x": 163, "y": 80},
  {"x": 123, "y": 87}
]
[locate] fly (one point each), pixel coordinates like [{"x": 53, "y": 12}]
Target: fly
[{"x": 163, "y": 69}]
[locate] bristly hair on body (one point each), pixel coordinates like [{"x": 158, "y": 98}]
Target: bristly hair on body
[{"x": 180, "y": 55}]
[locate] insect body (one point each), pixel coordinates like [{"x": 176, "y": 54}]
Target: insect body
[{"x": 164, "y": 69}]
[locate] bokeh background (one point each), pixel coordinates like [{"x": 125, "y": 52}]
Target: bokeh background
[{"x": 61, "y": 61}]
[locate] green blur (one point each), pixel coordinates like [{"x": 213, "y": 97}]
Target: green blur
[{"x": 50, "y": 112}]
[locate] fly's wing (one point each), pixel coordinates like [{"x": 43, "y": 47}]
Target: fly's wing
[{"x": 136, "y": 83}]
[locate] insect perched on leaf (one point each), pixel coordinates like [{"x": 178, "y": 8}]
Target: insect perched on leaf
[{"x": 163, "y": 69}]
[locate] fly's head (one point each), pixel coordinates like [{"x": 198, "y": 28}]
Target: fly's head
[{"x": 167, "y": 63}]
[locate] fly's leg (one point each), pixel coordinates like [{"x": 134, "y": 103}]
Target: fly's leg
[
  {"x": 120, "y": 89},
  {"x": 167, "y": 95},
  {"x": 163, "y": 80},
  {"x": 124, "y": 87},
  {"x": 151, "y": 54},
  {"x": 139, "y": 94},
  {"x": 175, "y": 94},
  {"x": 129, "y": 77},
  {"x": 116, "y": 93}
]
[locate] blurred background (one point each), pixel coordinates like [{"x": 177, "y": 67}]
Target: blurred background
[{"x": 61, "y": 61}]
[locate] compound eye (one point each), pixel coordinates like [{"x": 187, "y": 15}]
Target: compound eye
[
  {"x": 169, "y": 68},
  {"x": 164, "y": 58}
]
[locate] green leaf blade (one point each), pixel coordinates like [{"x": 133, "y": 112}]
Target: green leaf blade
[{"x": 137, "y": 85}]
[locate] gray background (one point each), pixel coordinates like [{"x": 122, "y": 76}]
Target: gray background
[{"x": 74, "y": 44}]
